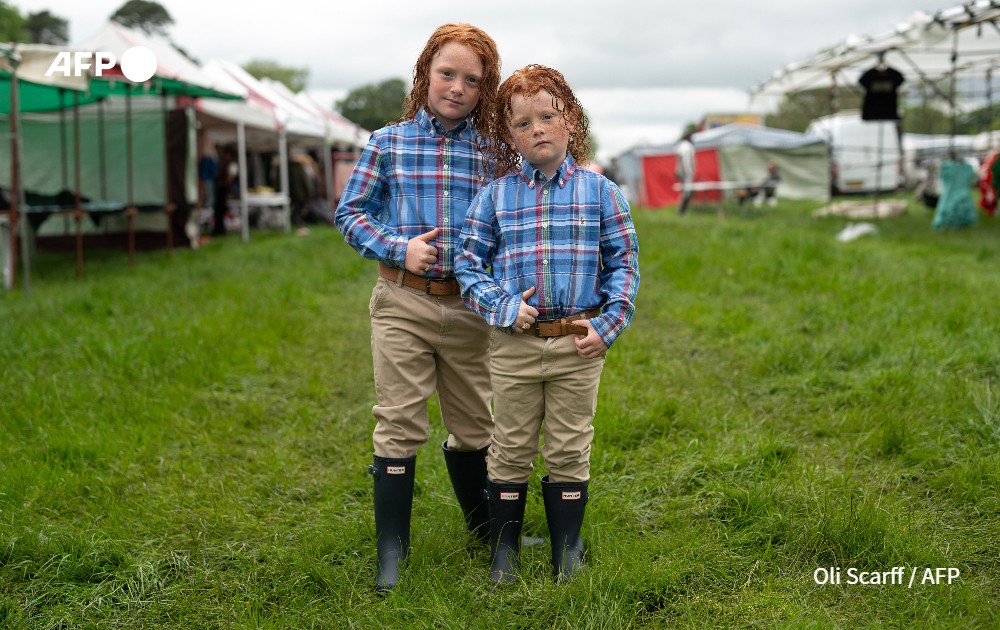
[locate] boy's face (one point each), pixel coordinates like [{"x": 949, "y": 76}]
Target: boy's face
[
  {"x": 539, "y": 130},
  {"x": 455, "y": 74}
]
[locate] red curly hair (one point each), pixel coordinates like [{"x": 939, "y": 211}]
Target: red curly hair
[
  {"x": 482, "y": 44},
  {"x": 529, "y": 81}
]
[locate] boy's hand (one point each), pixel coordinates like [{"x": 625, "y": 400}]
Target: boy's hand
[
  {"x": 420, "y": 254},
  {"x": 526, "y": 313},
  {"x": 590, "y": 346}
]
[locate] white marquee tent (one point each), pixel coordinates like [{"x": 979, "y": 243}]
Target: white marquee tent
[{"x": 959, "y": 43}]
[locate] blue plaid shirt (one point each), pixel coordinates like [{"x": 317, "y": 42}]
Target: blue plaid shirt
[
  {"x": 570, "y": 237},
  {"x": 412, "y": 177}
]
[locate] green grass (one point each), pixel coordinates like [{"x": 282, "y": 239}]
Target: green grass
[{"x": 184, "y": 444}]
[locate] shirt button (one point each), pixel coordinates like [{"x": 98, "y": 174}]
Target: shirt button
[
  {"x": 446, "y": 193},
  {"x": 545, "y": 225},
  {"x": 545, "y": 192},
  {"x": 545, "y": 262}
]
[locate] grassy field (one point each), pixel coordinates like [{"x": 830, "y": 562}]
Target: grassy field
[{"x": 184, "y": 444}]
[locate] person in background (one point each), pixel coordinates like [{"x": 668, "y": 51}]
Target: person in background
[
  {"x": 226, "y": 188},
  {"x": 208, "y": 168},
  {"x": 550, "y": 260},
  {"x": 685, "y": 170},
  {"x": 765, "y": 193},
  {"x": 404, "y": 206}
]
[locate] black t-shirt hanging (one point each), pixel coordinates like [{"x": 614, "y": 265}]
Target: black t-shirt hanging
[{"x": 880, "y": 102}]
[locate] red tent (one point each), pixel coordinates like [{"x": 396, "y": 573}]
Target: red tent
[{"x": 659, "y": 178}]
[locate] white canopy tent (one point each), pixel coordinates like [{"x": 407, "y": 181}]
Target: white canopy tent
[
  {"x": 288, "y": 119},
  {"x": 347, "y": 139},
  {"x": 960, "y": 43}
]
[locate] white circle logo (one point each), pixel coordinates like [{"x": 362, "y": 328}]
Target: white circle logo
[{"x": 138, "y": 64}]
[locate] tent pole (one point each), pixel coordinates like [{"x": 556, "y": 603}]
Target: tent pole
[
  {"x": 878, "y": 167},
  {"x": 951, "y": 91},
  {"x": 989, "y": 103},
  {"x": 63, "y": 152},
  {"x": 131, "y": 211},
  {"x": 78, "y": 211},
  {"x": 101, "y": 152},
  {"x": 241, "y": 153},
  {"x": 328, "y": 174},
  {"x": 283, "y": 171},
  {"x": 168, "y": 207},
  {"x": 18, "y": 198}
]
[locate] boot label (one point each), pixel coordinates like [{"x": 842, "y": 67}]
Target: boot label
[
  {"x": 395, "y": 470},
  {"x": 510, "y": 496},
  {"x": 574, "y": 495}
]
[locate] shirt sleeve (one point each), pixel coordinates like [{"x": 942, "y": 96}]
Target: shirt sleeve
[
  {"x": 362, "y": 215},
  {"x": 480, "y": 291},
  {"x": 619, "y": 277}
]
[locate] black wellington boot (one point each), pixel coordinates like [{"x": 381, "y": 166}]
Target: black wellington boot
[
  {"x": 468, "y": 477},
  {"x": 506, "y": 505},
  {"x": 565, "y": 503},
  {"x": 393, "y": 502}
]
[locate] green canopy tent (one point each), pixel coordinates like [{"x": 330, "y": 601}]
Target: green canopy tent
[{"x": 24, "y": 88}]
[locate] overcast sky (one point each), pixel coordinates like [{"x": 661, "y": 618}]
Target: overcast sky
[{"x": 641, "y": 68}]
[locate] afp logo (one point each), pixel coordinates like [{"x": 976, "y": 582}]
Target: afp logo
[{"x": 138, "y": 63}]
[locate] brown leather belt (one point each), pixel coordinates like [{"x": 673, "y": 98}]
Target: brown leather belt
[
  {"x": 430, "y": 286},
  {"x": 563, "y": 326}
]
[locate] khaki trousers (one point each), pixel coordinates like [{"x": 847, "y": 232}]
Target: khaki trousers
[
  {"x": 422, "y": 343},
  {"x": 541, "y": 384}
]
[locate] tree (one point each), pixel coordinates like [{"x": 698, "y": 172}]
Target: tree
[
  {"x": 925, "y": 119},
  {"x": 11, "y": 24},
  {"x": 295, "y": 79},
  {"x": 145, "y": 15},
  {"x": 44, "y": 27},
  {"x": 375, "y": 104},
  {"x": 799, "y": 109},
  {"x": 978, "y": 120}
]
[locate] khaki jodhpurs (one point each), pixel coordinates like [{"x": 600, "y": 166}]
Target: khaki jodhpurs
[
  {"x": 541, "y": 384},
  {"x": 422, "y": 343}
]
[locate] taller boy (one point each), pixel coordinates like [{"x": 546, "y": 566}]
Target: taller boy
[{"x": 404, "y": 206}]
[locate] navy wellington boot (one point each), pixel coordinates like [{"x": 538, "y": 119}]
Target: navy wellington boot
[
  {"x": 467, "y": 470},
  {"x": 565, "y": 503},
  {"x": 506, "y": 504},
  {"x": 393, "y": 503}
]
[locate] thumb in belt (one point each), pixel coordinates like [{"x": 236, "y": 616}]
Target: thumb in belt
[
  {"x": 591, "y": 345},
  {"x": 526, "y": 313}
]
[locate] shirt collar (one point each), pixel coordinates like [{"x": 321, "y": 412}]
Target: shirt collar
[
  {"x": 433, "y": 126},
  {"x": 562, "y": 174}
]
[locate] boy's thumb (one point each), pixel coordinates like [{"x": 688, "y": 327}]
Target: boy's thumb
[
  {"x": 527, "y": 294},
  {"x": 429, "y": 236}
]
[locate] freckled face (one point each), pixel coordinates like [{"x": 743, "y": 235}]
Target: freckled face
[
  {"x": 539, "y": 130},
  {"x": 455, "y": 74}
]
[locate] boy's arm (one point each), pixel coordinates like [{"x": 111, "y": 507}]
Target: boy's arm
[
  {"x": 480, "y": 291},
  {"x": 361, "y": 213},
  {"x": 619, "y": 279}
]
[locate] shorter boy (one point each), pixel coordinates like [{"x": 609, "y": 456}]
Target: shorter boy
[{"x": 550, "y": 259}]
